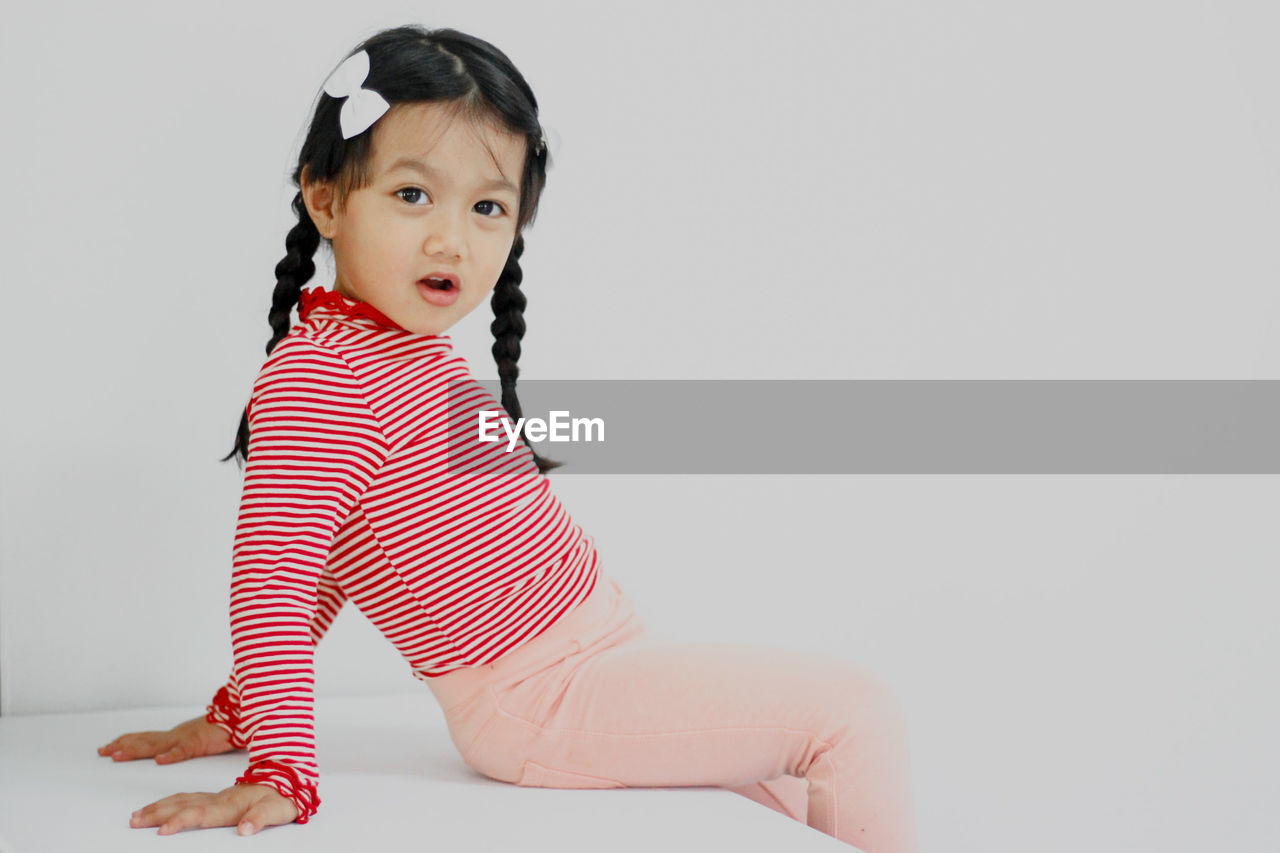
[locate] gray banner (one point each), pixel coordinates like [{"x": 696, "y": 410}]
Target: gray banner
[{"x": 820, "y": 426}]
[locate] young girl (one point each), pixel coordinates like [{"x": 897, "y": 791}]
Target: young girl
[{"x": 423, "y": 165}]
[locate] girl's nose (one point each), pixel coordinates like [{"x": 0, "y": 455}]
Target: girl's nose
[{"x": 445, "y": 238}]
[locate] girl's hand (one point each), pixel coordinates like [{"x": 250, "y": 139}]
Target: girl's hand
[
  {"x": 191, "y": 739},
  {"x": 250, "y": 806}
]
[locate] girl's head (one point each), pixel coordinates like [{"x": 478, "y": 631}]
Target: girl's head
[
  {"x": 462, "y": 112},
  {"x": 439, "y": 194}
]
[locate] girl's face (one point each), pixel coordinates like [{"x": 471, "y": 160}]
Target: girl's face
[{"x": 437, "y": 203}]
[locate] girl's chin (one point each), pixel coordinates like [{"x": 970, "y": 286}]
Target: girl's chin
[{"x": 424, "y": 326}]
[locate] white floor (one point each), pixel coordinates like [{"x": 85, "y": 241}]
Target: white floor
[{"x": 390, "y": 777}]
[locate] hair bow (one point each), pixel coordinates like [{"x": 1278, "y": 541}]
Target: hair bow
[
  {"x": 549, "y": 140},
  {"x": 363, "y": 106}
]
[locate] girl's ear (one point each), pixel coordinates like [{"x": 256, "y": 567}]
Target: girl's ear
[{"x": 319, "y": 199}]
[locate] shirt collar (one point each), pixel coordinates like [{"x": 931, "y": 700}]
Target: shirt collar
[{"x": 318, "y": 303}]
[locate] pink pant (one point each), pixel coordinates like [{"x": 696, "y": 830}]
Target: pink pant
[{"x": 596, "y": 701}]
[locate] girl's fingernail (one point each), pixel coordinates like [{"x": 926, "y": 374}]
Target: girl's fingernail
[{"x": 246, "y": 827}]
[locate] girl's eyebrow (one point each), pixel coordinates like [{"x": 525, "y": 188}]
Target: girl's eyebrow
[{"x": 419, "y": 166}]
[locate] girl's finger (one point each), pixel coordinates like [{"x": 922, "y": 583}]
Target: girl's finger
[
  {"x": 198, "y": 815},
  {"x": 268, "y": 812},
  {"x": 251, "y": 822},
  {"x": 147, "y": 745},
  {"x": 125, "y": 744},
  {"x": 161, "y": 810},
  {"x": 116, "y": 745},
  {"x": 176, "y": 753}
]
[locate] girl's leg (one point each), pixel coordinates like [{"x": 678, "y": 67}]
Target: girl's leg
[
  {"x": 786, "y": 794},
  {"x": 620, "y": 713}
]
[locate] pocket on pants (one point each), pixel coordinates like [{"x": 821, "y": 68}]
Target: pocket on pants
[
  {"x": 531, "y": 699},
  {"x": 535, "y": 775}
]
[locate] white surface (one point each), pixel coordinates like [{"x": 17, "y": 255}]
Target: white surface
[{"x": 390, "y": 780}]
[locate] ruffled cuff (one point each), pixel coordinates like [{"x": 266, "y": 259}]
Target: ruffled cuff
[
  {"x": 288, "y": 782},
  {"x": 223, "y": 713}
]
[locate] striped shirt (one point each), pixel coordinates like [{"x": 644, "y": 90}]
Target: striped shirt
[{"x": 360, "y": 484}]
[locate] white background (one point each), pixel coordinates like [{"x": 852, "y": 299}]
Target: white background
[{"x": 809, "y": 190}]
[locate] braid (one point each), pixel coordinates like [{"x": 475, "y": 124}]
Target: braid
[
  {"x": 508, "y": 328},
  {"x": 294, "y": 270}
]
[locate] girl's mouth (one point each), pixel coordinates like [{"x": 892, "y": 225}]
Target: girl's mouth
[{"x": 438, "y": 292}]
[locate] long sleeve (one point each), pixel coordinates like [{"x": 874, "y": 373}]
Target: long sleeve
[
  {"x": 315, "y": 446},
  {"x": 224, "y": 709}
]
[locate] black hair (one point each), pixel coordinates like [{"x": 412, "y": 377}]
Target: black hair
[{"x": 411, "y": 64}]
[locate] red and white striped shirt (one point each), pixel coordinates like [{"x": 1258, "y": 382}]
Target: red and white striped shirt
[{"x": 360, "y": 484}]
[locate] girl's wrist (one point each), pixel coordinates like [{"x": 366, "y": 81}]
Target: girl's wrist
[
  {"x": 288, "y": 782},
  {"x": 223, "y": 713}
]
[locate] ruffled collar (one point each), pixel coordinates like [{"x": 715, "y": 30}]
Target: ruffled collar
[{"x": 317, "y": 301}]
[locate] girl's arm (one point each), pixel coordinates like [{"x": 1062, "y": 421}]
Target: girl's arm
[
  {"x": 224, "y": 710},
  {"x": 315, "y": 446}
]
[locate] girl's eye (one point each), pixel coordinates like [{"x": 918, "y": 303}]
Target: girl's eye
[
  {"x": 419, "y": 192},
  {"x": 408, "y": 190}
]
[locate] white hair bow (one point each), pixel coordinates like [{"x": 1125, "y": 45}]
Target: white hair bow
[
  {"x": 363, "y": 106},
  {"x": 550, "y": 140}
]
